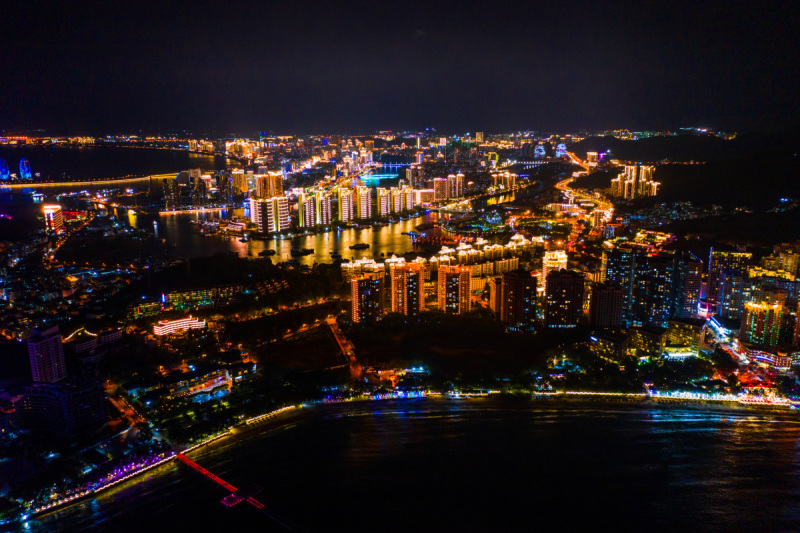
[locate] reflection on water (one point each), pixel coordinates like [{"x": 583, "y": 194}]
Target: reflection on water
[
  {"x": 189, "y": 242},
  {"x": 477, "y": 466}
]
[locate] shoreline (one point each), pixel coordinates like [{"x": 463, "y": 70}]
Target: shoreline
[{"x": 263, "y": 424}]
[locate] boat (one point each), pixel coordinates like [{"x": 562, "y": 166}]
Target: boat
[
  {"x": 296, "y": 252},
  {"x": 336, "y": 257},
  {"x": 265, "y": 253},
  {"x": 131, "y": 211},
  {"x": 359, "y": 246}
]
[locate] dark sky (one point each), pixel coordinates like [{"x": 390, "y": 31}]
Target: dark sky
[{"x": 299, "y": 66}]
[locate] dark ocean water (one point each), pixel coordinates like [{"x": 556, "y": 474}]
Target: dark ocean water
[
  {"x": 478, "y": 465},
  {"x": 94, "y": 162}
]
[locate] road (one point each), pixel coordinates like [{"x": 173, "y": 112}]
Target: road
[{"x": 356, "y": 370}]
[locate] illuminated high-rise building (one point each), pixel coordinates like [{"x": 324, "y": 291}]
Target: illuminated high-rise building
[
  {"x": 761, "y": 323},
  {"x": 691, "y": 273},
  {"x": 53, "y": 218},
  {"x": 270, "y": 214},
  {"x": 46, "y": 354},
  {"x": 363, "y": 203},
  {"x": 455, "y": 186},
  {"x": 407, "y": 288},
  {"x": 323, "y": 208},
  {"x": 345, "y": 204},
  {"x": 605, "y": 307},
  {"x": 454, "y": 284},
  {"x": 268, "y": 185},
  {"x": 306, "y": 211},
  {"x": 553, "y": 261},
  {"x": 5, "y": 173},
  {"x": 172, "y": 194},
  {"x": 719, "y": 261},
  {"x": 653, "y": 292},
  {"x": 240, "y": 185},
  {"x": 518, "y": 301},
  {"x": 731, "y": 291},
  {"x": 479, "y": 136},
  {"x": 396, "y": 199},
  {"x": 366, "y": 297},
  {"x": 634, "y": 182},
  {"x": 384, "y": 202},
  {"x": 496, "y": 296},
  {"x": 25, "y": 169},
  {"x": 439, "y": 189},
  {"x": 199, "y": 192},
  {"x": 224, "y": 185},
  {"x": 564, "y": 297}
]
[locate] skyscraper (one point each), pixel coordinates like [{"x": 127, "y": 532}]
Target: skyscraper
[
  {"x": 691, "y": 281},
  {"x": 46, "y": 354},
  {"x": 634, "y": 182},
  {"x": 605, "y": 307},
  {"x": 439, "y": 189},
  {"x": 53, "y": 218},
  {"x": 653, "y": 293},
  {"x": 224, "y": 188},
  {"x": 323, "y": 208},
  {"x": 454, "y": 284},
  {"x": 518, "y": 302},
  {"x": 363, "y": 203},
  {"x": 345, "y": 204},
  {"x": 270, "y": 214},
  {"x": 384, "y": 202},
  {"x": 172, "y": 194},
  {"x": 761, "y": 323},
  {"x": 268, "y": 185},
  {"x": 719, "y": 261},
  {"x": 455, "y": 186},
  {"x": 553, "y": 261},
  {"x": 407, "y": 288},
  {"x": 496, "y": 296},
  {"x": 306, "y": 211},
  {"x": 564, "y": 295},
  {"x": 731, "y": 291},
  {"x": 366, "y": 297}
]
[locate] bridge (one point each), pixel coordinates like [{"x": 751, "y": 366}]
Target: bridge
[{"x": 236, "y": 496}]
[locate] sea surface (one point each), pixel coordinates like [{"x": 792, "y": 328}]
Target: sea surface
[
  {"x": 476, "y": 465},
  {"x": 62, "y": 163}
]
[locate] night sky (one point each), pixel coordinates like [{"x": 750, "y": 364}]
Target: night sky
[{"x": 333, "y": 67}]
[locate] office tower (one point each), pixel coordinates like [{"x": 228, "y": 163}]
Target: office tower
[
  {"x": 306, "y": 211},
  {"x": 761, "y": 323},
  {"x": 172, "y": 194},
  {"x": 719, "y": 261},
  {"x": 496, "y": 295},
  {"x": 455, "y": 186},
  {"x": 64, "y": 410},
  {"x": 553, "y": 261},
  {"x": 224, "y": 188},
  {"x": 605, "y": 307},
  {"x": 454, "y": 284},
  {"x": 323, "y": 208},
  {"x": 366, "y": 297},
  {"x": 407, "y": 288},
  {"x": 564, "y": 297},
  {"x": 439, "y": 189},
  {"x": 53, "y": 218},
  {"x": 345, "y": 204},
  {"x": 363, "y": 202},
  {"x": 270, "y": 214},
  {"x": 731, "y": 291},
  {"x": 479, "y": 136},
  {"x": 384, "y": 202},
  {"x": 518, "y": 301},
  {"x": 46, "y": 354},
  {"x": 691, "y": 283}
]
